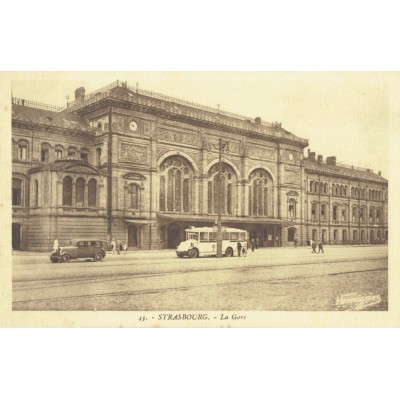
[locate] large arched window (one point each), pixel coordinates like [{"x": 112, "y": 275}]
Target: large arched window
[
  {"x": 378, "y": 215},
  {"x": 67, "y": 191},
  {"x": 227, "y": 192},
  {"x": 323, "y": 212},
  {"x": 260, "y": 191},
  {"x": 133, "y": 196},
  {"x": 335, "y": 213},
  {"x": 311, "y": 186},
  {"x": 92, "y": 193},
  {"x": 45, "y": 152},
  {"x": 291, "y": 234},
  {"x": 23, "y": 150},
  {"x": 314, "y": 211},
  {"x": 176, "y": 182},
  {"x": 372, "y": 215},
  {"x": 80, "y": 192},
  {"x": 354, "y": 212}
]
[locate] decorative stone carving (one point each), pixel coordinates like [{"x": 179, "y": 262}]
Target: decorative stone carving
[
  {"x": 261, "y": 152},
  {"x": 292, "y": 176},
  {"x": 178, "y": 137},
  {"x": 131, "y": 153}
]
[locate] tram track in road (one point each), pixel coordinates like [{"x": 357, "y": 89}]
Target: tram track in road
[
  {"x": 181, "y": 288},
  {"x": 117, "y": 275},
  {"x": 130, "y": 292}
]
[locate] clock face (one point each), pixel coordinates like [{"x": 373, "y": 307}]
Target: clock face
[
  {"x": 133, "y": 126},
  {"x": 290, "y": 156}
]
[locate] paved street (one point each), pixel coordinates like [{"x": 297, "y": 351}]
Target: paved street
[{"x": 280, "y": 279}]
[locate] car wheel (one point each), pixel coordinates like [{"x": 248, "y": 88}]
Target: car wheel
[
  {"x": 54, "y": 260},
  {"x": 193, "y": 253},
  {"x": 98, "y": 257},
  {"x": 65, "y": 258},
  {"x": 229, "y": 252}
]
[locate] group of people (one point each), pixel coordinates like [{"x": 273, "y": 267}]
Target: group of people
[
  {"x": 314, "y": 246},
  {"x": 242, "y": 247},
  {"x": 118, "y": 246}
]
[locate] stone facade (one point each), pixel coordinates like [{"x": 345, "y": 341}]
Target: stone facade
[{"x": 141, "y": 167}]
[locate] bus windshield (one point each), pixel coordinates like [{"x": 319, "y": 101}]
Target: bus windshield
[{"x": 192, "y": 236}]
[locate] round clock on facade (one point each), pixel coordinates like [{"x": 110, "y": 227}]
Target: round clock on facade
[
  {"x": 290, "y": 156},
  {"x": 133, "y": 126}
]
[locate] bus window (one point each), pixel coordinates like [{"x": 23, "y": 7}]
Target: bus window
[
  {"x": 192, "y": 235},
  {"x": 213, "y": 236},
  {"x": 234, "y": 235},
  {"x": 242, "y": 235},
  {"x": 203, "y": 236}
]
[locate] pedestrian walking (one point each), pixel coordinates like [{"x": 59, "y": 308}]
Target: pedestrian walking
[
  {"x": 257, "y": 243},
  {"x": 244, "y": 249},
  {"x": 113, "y": 246},
  {"x": 125, "y": 248},
  {"x": 239, "y": 248},
  {"x": 320, "y": 247},
  {"x": 56, "y": 245},
  {"x": 119, "y": 246},
  {"x": 314, "y": 246},
  {"x": 253, "y": 244}
]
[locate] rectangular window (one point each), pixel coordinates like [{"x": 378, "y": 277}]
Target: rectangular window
[
  {"x": 84, "y": 156},
  {"x": 203, "y": 236},
  {"x": 16, "y": 192},
  {"x": 58, "y": 154}
]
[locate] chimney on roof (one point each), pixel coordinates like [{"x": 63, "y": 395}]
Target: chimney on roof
[
  {"x": 311, "y": 155},
  {"x": 258, "y": 121},
  {"x": 80, "y": 94},
  {"x": 331, "y": 160},
  {"x": 320, "y": 158}
]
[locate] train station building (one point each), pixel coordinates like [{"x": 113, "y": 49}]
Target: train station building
[{"x": 138, "y": 166}]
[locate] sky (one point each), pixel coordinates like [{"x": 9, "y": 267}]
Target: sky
[{"x": 343, "y": 114}]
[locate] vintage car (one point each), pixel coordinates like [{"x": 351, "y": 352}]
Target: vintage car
[{"x": 79, "y": 248}]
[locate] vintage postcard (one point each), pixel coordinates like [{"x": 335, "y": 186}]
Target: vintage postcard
[{"x": 200, "y": 199}]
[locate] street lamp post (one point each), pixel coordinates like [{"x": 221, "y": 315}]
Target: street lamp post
[{"x": 221, "y": 147}]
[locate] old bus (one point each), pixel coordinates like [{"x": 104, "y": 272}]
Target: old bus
[{"x": 203, "y": 241}]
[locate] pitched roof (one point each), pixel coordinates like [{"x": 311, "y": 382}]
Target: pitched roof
[
  {"x": 48, "y": 117},
  {"x": 350, "y": 172}
]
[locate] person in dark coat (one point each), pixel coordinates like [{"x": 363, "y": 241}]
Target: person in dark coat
[
  {"x": 314, "y": 246},
  {"x": 320, "y": 247},
  {"x": 253, "y": 245},
  {"x": 239, "y": 248}
]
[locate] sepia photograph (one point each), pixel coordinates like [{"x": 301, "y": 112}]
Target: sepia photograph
[{"x": 200, "y": 196}]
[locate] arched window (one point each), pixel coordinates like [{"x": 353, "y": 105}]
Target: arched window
[
  {"x": 323, "y": 212},
  {"x": 378, "y": 215},
  {"x": 226, "y": 200},
  {"x": 35, "y": 193},
  {"x": 314, "y": 211},
  {"x": 316, "y": 187},
  {"x": 337, "y": 190},
  {"x": 335, "y": 213},
  {"x": 341, "y": 190},
  {"x": 292, "y": 209},
  {"x": 344, "y": 236},
  {"x": 260, "y": 193},
  {"x": 335, "y": 234},
  {"x": 371, "y": 236},
  {"x": 354, "y": 214},
  {"x": 345, "y": 191},
  {"x": 326, "y": 188},
  {"x": 314, "y": 234},
  {"x": 378, "y": 235},
  {"x": 92, "y": 193},
  {"x": 355, "y": 236},
  {"x": 17, "y": 192},
  {"x": 291, "y": 234},
  {"x": 67, "y": 191},
  {"x": 372, "y": 215},
  {"x": 71, "y": 151},
  {"x": 362, "y": 215},
  {"x": 176, "y": 181},
  {"x": 80, "y": 192},
  {"x": 134, "y": 196},
  {"x": 311, "y": 186},
  {"x": 344, "y": 214},
  {"x": 23, "y": 150},
  {"x": 333, "y": 190}
]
